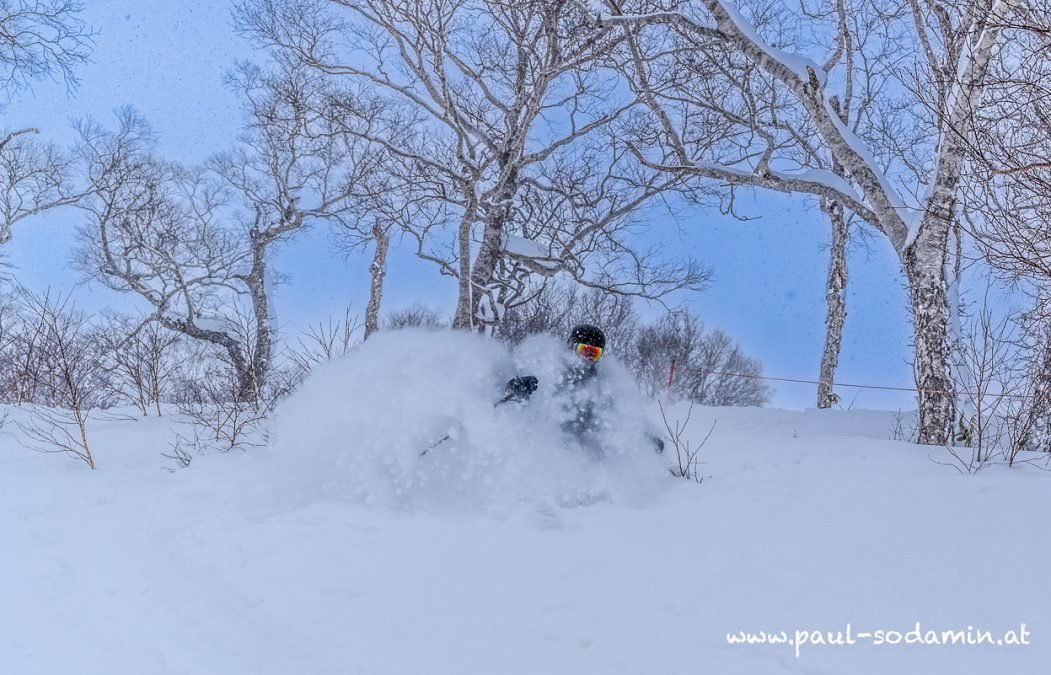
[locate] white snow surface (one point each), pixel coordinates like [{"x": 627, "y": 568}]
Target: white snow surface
[{"x": 336, "y": 550}]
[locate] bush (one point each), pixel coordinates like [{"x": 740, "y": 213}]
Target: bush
[{"x": 710, "y": 368}]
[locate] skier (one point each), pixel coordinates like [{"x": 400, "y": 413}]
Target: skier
[
  {"x": 580, "y": 383},
  {"x": 579, "y": 390},
  {"x": 588, "y": 342},
  {"x": 579, "y": 386}
]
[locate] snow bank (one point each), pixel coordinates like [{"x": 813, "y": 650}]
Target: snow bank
[{"x": 370, "y": 428}]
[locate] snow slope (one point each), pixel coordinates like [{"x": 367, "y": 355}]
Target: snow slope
[{"x": 278, "y": 561}]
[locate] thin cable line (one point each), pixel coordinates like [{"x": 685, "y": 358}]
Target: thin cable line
[{"x": 854, "y": 386}]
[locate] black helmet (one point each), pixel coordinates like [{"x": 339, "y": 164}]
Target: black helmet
[{"x": 586, "y": 334}]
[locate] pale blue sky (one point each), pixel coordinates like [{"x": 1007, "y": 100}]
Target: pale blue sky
[{"x": 168, "y": 58}]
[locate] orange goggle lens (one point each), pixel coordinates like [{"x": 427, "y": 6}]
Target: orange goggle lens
[{"x": 589, "y": 352}]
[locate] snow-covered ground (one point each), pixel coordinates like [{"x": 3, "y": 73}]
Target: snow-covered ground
[{"x": 332, "y": 552}]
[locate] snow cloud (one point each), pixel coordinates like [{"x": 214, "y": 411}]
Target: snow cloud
[{"x": 408, "y": 421}]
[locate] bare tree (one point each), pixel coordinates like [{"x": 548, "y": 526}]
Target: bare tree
[
  {"x": 416, "y": 315},
  {"x": 323, "y": 342},
  {"x": 388, "y": 204},
  {"x": 493, "y": 114},
  {"x": 16, "y": 362},
  {"x": 38, "y": 39},
  {"x": 157, "y": 230},
  {"x": 141, "y": 358},
  {"x": 7, "y": 355},
  {"x": 34, "y": 177},
  {"x": 741, "y": 98},
  {"x": 558, "y": 306},
  {"x": 987, "y": 350},
  {"x": 216, "y": 417},
  {"x": 687, "y": 453},
  {"x": 1006, "y": 200},
  {"x": 69, "y": 375},
  {"x": 1028, "y": 417},
  {"x": 30, "y": 331},
  {"x": 42, "y": 39},
  {"x": 1008, "y": 196},
  {"x": 1005, "y": 411},
  {"x": 709, "y": 367},
  {"x": 213, "y": 404},
  {"x": 180, "y": 237}
]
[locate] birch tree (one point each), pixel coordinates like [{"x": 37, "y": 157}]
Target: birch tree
[
  {"x": 497, "y": 108},
  {"x": 139, "y": 359},
  {"x": 1007, "y": 199},
  {"x": 836, "y": 301},
  {"x": 747, "y": 96},
  {"x": 34, "y": 177},
  {"x": 39, "y": 39},
  {"x": 68, "y": 379},
  {"x": 195, "y": 243},
  {"x": 157, "y": 230}
]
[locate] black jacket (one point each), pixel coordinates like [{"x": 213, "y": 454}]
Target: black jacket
[{"x": 578, "y": 386}]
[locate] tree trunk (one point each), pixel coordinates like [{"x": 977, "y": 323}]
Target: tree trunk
[
  {"x": 925, "y": 262},
  {"x": 835, "y": 297},
  {"x": 234, "y": 350},
  {"x": 464, "y": 319},
  {"x": 378, "y": 269},
  {"x": 927, "y": 257},
  {"x": 485, "y": 265},
  {"x": 497, "y": 216},
  {"x": 1042, "y": 401},
  {"x": 254, "y": 378},
  {"x": 475, "y": 281}
]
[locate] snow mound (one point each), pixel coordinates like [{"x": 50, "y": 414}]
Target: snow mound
[{"x": 408, "y": 421}]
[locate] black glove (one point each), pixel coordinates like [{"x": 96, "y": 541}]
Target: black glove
[{"x": 521, "y": 388}]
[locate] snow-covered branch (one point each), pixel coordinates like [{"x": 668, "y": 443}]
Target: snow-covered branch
[{"x": 475, "y": 101}]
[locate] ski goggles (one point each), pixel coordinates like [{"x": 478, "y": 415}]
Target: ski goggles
[{"x": 589, "y": 352}]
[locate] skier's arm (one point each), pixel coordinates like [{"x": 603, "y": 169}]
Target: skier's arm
[{"x": 520, "y": 388}]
